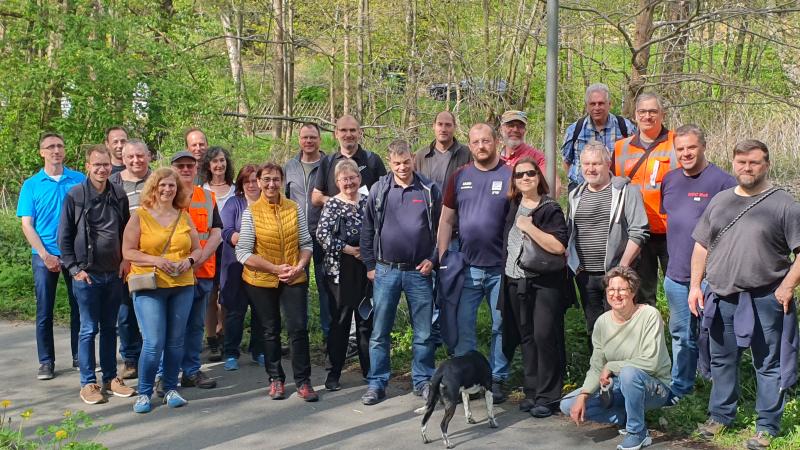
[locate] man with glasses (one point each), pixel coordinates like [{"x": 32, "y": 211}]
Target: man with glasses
[
  {"x": 608, "y": 227},
  {"x": 476, "y": 199},
  {"x": 39, "y": 207},
  {"x": 645, "y": 158}
]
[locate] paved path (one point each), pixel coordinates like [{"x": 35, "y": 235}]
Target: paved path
[{"x": 239, "y": 415}]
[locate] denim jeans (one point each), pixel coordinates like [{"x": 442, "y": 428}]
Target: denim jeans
[
  {"x": 480, "y": 282},
  {"x": 634, "y": 393},
  {"x": 45, "y": 283},
  {"x": 130, "y": 339},
  {"x": 195, "y": 327},
  {"x": 726, "y": 356},
  {"x": 683, "y": 327},
  {"x": 322, "y": 292},
  {"x": 98, "y": 303},
  {"x": 162, "y": 315},
  {"x": 388, "y": 285}
]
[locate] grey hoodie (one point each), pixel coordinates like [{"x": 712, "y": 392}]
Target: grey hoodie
[{"x": 628, "y": 221}]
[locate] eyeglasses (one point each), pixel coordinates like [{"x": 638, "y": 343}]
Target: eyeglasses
[
  {"x": 184, "y": 166},
  {"x": 529, "y": 173},
  {"x": 482, "y": 142},
  {"x": 347, "y": 179},
  {"x": 52, "y": 147},
  {"x": 647, "y": 112},
  {"x": 618, "y": 291},
  {"x": 267, "y": 180}
]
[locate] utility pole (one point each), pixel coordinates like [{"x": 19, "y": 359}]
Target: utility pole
[{"x": 551, "y": 93}]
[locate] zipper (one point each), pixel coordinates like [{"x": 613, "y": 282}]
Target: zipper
[{"x": 280, "y": 232}]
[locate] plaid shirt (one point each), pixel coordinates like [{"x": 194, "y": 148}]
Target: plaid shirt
[{"x": 608, "y": 135}]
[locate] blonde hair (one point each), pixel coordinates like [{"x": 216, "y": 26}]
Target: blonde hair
[{"x": 150, "y": 191}]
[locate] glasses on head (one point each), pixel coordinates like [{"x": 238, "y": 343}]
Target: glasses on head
[
  {"x": 529, "y": 173},
  {"x": 267, "y": 180},
  {"x": 348, "y": 179},
  {"x": 647, "y": 112},
  {"x": 618, "y": 291},
  {"x": 52, "y": 147}
]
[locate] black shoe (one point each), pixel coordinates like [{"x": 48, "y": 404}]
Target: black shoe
[
  {"x": 526, "y": 405},
  {"x": 158, "y": 388},
  {"x": 541, "y": 411},
  {"x": 332, "y": 383},
  {"x": 373, "y": 396},
  {"x": 497, "y": 392},
  {"x": 199, "y": 379},
  {"x": 214, "y": 353},
  {"x": 46, "y": 372},
  {"x": 284, "y": 351},
  {"x": 75, "y": 364}
]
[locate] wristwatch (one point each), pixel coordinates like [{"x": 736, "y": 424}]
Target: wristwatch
[{"x": 191, "y": 260}]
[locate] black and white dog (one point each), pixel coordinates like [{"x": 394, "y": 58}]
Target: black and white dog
[{"x": 462, "y": 375}]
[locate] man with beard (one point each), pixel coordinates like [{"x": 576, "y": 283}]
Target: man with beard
[
  {"x": 513, "y": 126},
  {"x": 744, "y": 242},
  {"x": 475, "y": 198}
]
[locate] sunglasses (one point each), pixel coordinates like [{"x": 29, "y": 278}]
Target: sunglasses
[{"x": 529, "y": 173}]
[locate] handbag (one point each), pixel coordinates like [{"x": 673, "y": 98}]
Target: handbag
[
  {"x": 147, "y": 281},
  {"x": 533, "y": 258}
]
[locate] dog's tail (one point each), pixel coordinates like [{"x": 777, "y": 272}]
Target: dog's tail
[{"x": 433, "y": 397}]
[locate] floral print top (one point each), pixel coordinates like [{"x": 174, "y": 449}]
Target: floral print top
[{"x": 348, "y": 219}]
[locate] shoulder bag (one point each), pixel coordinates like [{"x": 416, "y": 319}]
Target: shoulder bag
[
  {"x": 147, "y": 281},
  {"x": 533, "y": 258}
]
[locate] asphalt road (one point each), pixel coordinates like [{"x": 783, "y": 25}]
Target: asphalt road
[{"x": 239, "y": 415}]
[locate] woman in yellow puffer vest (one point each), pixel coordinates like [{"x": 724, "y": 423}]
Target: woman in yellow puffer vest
[{"x": 275, "y": 248}]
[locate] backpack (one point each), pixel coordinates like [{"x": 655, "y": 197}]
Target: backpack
[{"x": 623, "y": 129}]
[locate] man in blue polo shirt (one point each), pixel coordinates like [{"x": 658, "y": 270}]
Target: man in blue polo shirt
[
  {"x": 475, "y": 198},
  {"x": 685, "y": 194},
  {"x": 39, "y": 207},
  {"x": 399, "y": 258}
]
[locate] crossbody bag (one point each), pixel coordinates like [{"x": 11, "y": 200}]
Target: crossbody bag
[{"x": 147, "y": 281}]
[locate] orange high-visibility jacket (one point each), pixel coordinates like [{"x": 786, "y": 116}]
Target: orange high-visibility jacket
[{"x": 201, "y": 211}]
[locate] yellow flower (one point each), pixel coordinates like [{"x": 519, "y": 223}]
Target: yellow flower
[
  {"x": 67, "y": 413},
  {"x": 5, "y": 403},
  {"x": 61, "y": 434},
  {"x": 27, "y": 414}
]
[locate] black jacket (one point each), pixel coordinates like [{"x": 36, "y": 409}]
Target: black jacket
[{"x": 461, "y": 156}]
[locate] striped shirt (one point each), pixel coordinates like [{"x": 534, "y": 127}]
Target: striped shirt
[
  {"x": 591, "y": 228},
  {"x": 132, "y": 188},
  {"x": 247, "y": 235},
  {"x": 571, "y": 151}
]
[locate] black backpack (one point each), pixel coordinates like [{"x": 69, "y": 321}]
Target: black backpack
[{"x": 623, "y": 129}]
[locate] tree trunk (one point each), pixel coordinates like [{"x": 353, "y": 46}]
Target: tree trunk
[
  {"x": 410, "y": 110},
  {"x": 362, "y": 20},
  {"x": 289, "y": 63},
  {"x": 640, "y": 55},
  {"x": 346, "y": 65},
  {"x": 740, "y": 38},
  {"x": 234, "y": 48},
  {"x": 675, "y": 49},
  {"x": 278, "y": 66}
]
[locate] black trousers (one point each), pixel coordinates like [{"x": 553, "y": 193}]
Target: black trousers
[
  {"x": 539, "y": 316},
  {"x": 654, "y": 252},
  {"x": 342, "y": 313},
  {"x": 593, "y": 299},
  {"x": 267, "y": 304}
]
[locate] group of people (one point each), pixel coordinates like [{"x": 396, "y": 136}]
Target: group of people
[{"x": 448, "y": 226}]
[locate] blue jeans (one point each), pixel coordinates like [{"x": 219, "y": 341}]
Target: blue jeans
[
  {"x": 99, "y": 304},
  {"x": 683, "y": 328},
  {"x": 480, "y": 282},
  {"x": 195, "y": 327},
  {"x": 388, "y": 285},
  {"x": 726, "y": 356},
  {"x": 634, "y": 393},
  {"x": 162, "y": 315},
  {"x": 130, "y": 339},
  {"x": 319, "y": 278},
  {"x": 45, "y": 283}
]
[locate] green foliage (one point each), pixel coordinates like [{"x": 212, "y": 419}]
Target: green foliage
[
  {"x": 317, "y": 94},
  {"x": 63, "y": 435}
]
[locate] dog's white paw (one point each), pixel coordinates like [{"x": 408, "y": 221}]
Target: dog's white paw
[
  {"x": 492, "y": 423},
  {"x": 420, "y": 410},
  {"x": 471, "y": 420}
]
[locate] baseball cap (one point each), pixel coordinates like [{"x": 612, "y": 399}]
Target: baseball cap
[
  {"x": 512, "y": 115},
  {"x": 181, "y": 154}
]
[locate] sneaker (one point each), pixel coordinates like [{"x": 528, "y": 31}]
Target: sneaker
[
  {"x": 497, "y": 392},
  {"x": 130, "y": 371},
  {"x": 45, "y": 372},
  {"x": 214, "y": 353},
  {"x": 199, "y": 379},
  {"x": 158, "y": 387},
  {"x": 258, "y": 359},
  {"x": 760, "y": 441},
  {"x": 332, "y": 383},
  {"x": 277, "y": 391},
  {"x": 541, "y": 411},
  {"x": 75, "y": 364},
  {"x": 423, "y": 390},
  {"x": 91, "y": 394},
  {"x": 710, "y": 429},
  {"x": 373, "y": 396},
  {"x": 118, "y": 389},
  {"x": 231, "y": 364},
  {"x": 174, "y": 400},
  {"x": 142, "y": 404},
  {"x": 306, "y": 392},
  {"x": 635, "y": 441}
]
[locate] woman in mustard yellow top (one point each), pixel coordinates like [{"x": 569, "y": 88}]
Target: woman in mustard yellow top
[{"x": 162, "y": 312}]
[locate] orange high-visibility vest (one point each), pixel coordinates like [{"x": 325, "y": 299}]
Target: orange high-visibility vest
[
  {"x": 648, "y": 177},
  {"x": 201, "y": 211}
]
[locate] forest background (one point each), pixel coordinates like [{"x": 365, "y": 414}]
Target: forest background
[{"x": 249, "y": 71}]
